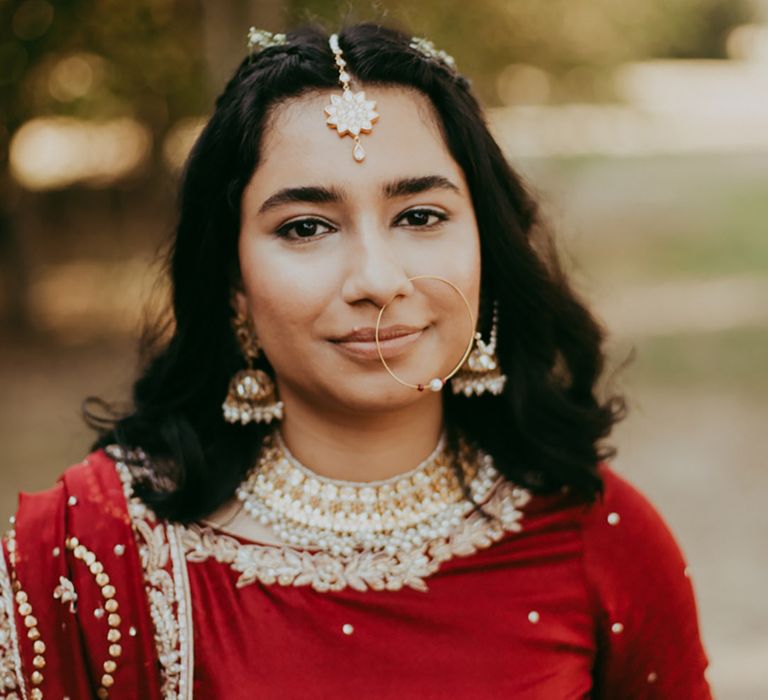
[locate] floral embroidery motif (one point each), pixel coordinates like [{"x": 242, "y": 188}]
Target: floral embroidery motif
[
  {"x": 362, "y": 570},
  {"x": 165, "y": 583},
  {"x": 65, "y": 593}
]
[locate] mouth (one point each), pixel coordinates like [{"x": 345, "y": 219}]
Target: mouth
[{"x": 393, "y": 340}]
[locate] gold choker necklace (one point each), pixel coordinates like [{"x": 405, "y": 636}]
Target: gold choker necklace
[{"x": 400, "y": 514}]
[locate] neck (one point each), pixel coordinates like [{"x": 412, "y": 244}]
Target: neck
[{"x": 362, "y": 447}]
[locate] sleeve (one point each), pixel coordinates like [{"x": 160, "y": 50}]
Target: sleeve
[
  {"x": 74, "y": 617},
  {"x": 649, "y": 646}
]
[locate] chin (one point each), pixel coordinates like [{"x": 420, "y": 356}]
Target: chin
[{"x": 376, "y": 395}]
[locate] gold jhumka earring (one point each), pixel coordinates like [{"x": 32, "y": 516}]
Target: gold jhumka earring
[
  {"x": 437, "y": 383},
  {"x": 482, "y": 371},
  {"x": 252, "y": 395}
]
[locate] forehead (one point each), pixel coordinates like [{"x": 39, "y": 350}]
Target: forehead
[{"x": 299, "y": 147}]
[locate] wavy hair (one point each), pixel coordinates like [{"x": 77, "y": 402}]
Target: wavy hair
[{"x": 544, "y": 432}]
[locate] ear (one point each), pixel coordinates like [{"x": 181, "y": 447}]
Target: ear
[{"x": 240, "y": 302}]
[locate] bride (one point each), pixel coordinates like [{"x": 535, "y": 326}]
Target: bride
[{"x": 368, "y": 459}]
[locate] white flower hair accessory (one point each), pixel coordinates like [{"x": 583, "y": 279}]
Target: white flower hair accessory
[
  {"x": 427, "y": 48},
  {"x": 263, "y": 39}
]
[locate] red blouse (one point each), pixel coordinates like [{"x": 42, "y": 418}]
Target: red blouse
[{"x": 585, "y": 601}]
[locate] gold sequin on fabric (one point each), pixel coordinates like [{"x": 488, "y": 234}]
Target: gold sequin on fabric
[
  {"x": 65, "y": 592},
  {"x": 24, "y": 607}
]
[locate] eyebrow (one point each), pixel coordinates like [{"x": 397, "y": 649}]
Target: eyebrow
[{"x": 318, "y": 194}]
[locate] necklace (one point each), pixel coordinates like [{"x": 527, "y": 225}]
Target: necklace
[{"x": 399, "y": 514}]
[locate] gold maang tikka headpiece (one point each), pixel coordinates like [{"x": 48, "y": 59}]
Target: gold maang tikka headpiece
[{"x": 349, "y": 113}]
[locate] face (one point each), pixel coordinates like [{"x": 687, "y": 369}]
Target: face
[{"x": 326, "y": 242}]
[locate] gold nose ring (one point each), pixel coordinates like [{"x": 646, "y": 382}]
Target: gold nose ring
[{"x": 437, "y": 383}]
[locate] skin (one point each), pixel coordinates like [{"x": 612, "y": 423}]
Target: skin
[{"x": 345, "y": 416}]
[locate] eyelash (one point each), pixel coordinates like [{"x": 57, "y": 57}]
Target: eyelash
[{"x": 284, "y": 231}]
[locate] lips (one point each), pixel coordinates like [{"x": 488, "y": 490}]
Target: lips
[
  {"x": 393, "y": 341},
  {"x": 368, "y": 335}
]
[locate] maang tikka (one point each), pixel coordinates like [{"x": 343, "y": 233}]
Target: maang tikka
[
  {"x": 252, "y": 395},
  {"x": 482, "y": 372},
  {"x": 349, "y": 113}
]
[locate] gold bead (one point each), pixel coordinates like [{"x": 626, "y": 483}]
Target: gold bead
[
  {"x": 102, "y": 693},
  {"x": 30, "y": 621},
  {"x": 80, "y": 551},
  {"x": 89, "y": 558},
  {"x": 102, "y": 579},
  {"x": 114, "y": 620},
  {"x": 25, "y": 609},
  {"x": 21, "y": 597},
  {"x": 107, "y": 681},
  {"x": 114, "y": 635},
  {"x": 33, "y": 633},
  {"x": 96, "y": 568},
  {"x": 110, "y": 666},
  {"x": 39, "y": 647},
  {"x": 37, "y": 677},
  {"x": 36, "y": 694},
  {"x": 115, "y": 650},
  {"x": 38, "y": 662},
  {"x": 111, "y": 605},
  {"x": 108, "y": 591}
]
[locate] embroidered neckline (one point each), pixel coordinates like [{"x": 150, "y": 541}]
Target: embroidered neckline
[{"x": 289, "y": 565}]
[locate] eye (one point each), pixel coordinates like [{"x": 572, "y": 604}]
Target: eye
[
  {"x": 301, "y": 229},
  {"x": 420, "y": 217}
]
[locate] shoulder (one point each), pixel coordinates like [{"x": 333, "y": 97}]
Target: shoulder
[
  {"x": 624, "y": 533},
  {"x": 629, "y": 550},
  {"x": 645, "y": 606},
  {"x": 91, "y": 488}
]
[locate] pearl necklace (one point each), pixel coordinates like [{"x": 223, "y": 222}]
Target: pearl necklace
[{"x": 396, "y": 514}]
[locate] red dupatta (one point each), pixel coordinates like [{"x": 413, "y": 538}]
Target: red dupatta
[{"x": 75, "y": 579}]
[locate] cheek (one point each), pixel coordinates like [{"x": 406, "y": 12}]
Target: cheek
[
  {"x": 459, "y": 261},
  {"x": 283, "y": 293}
]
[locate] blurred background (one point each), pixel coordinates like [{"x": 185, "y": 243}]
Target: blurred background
[{"x": 643, "y": 127}]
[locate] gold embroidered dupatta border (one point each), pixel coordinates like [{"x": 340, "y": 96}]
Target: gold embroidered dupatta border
[
  {"x": 166, "y": 582},
  {"x": 11, "y": 676}
]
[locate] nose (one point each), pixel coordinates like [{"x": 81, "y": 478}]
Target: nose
[{"x": 375, "y": 271}]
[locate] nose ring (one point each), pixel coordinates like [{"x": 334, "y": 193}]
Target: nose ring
[{"x": 437, "y": 383}]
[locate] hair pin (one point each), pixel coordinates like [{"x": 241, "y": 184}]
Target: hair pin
[
  {"x": 264, "y": 39},
  {"x": 427, "y": 48}
]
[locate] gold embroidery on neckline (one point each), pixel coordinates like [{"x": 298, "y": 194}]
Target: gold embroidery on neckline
[{"x": 289, "y": 566}]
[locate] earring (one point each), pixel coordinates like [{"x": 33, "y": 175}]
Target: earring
[
  {"x": 481, "y": 372},
  {"x": 252, "y": 395}
]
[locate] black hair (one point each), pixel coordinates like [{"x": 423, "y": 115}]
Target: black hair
[{"x": 544, "y": 432}]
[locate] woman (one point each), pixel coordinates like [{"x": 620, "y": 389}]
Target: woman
[{"x": 368, "y": 460}]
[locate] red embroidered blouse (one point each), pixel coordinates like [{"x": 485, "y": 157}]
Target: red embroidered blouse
[{"x": 585, "y": 601}]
